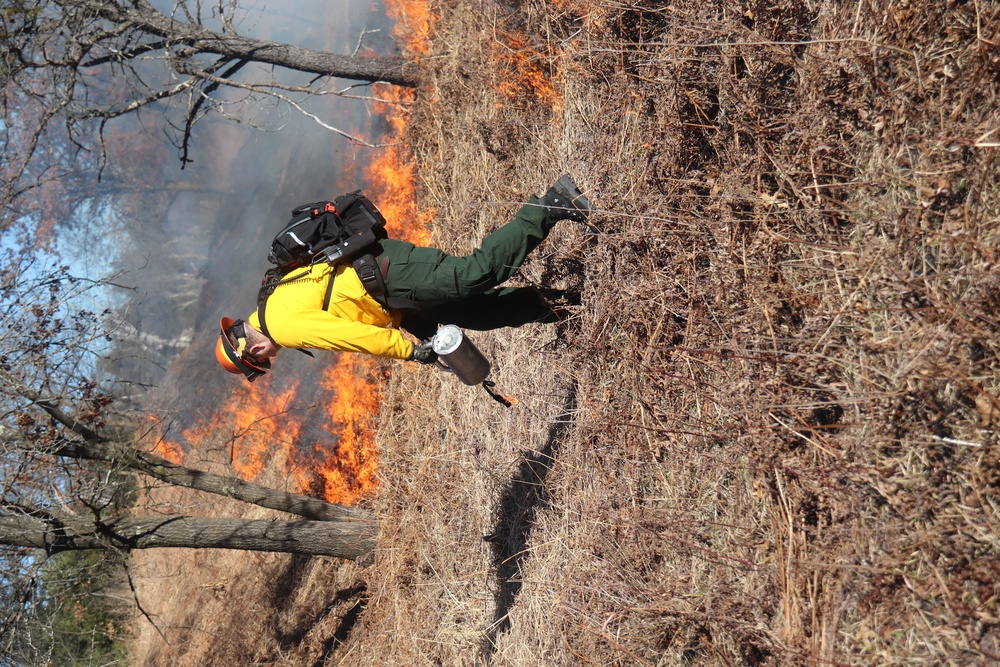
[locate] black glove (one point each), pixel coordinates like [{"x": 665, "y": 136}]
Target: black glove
[{"x": 423, "y": 353}]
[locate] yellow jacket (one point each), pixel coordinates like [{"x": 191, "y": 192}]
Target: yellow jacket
[{"x": 354, "y": 321}]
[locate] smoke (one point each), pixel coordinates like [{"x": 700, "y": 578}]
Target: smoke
[{"x": 199, "y": 251}]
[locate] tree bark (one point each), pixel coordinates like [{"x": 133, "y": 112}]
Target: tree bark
[
  {"x": 96, "y": 449},
  {"x": 349, "y": 540},
  {"x": 230, "y": 487},
  {"x": 148, "y": 19}
]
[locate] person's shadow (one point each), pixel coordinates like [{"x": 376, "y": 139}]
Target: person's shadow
[{"x": 519, "y": 506}]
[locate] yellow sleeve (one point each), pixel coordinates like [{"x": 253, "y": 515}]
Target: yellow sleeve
[
  {"x": 320, "y": 330},
  {"x": 353, "y": 321}
]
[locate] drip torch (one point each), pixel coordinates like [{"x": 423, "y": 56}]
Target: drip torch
[{"x": 459, "y": 355}]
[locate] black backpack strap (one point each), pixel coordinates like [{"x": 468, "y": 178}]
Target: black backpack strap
[
  {"x": 260, "y": 316},
  {"x": 272, "y": 279},
  {"x": 370, "y": 273},
  {"x": 329, "y": 287},
  {"x": 266, "y": 290}
]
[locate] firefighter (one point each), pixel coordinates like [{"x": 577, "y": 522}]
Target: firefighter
[{"x": 443, "y": 288}]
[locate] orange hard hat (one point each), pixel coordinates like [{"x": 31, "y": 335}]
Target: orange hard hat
[{"x": 231, "y": 352}]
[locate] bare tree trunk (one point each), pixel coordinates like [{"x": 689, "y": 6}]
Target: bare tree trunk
[
  {"x": 349, "y": 540},
  {"x": 94, "y": 447},
  {"x": 231, "y": 487},
  {"x": 142, "y": 15}
]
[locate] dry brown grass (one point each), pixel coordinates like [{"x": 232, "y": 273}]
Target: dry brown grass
[{"x": 769, "y": 435}]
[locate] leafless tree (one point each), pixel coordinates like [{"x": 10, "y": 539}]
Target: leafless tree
[
  {"x": 52, "y": 407},
  {"x": 70, "y": 67},
  {"x": 74, "y": 75},
  {"x": 69, "y": 459}
]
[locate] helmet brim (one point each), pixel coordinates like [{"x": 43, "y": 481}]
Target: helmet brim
[{"x": 251, "y": 368}]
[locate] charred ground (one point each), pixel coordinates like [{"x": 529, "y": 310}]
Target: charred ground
[{"x": 768, "y": 434}]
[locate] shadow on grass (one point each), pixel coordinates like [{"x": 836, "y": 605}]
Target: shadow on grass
[
  {"x": 354, "y": 597},
  {"x": 519, "y": 505},
  {"x": 347, "y": 603}
]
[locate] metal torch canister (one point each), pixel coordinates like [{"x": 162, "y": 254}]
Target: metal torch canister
[{"x": 460, "y": 355}]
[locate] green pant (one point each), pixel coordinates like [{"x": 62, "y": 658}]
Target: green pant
[{"x": 463, "y": 290}]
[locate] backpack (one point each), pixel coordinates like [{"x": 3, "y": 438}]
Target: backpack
[
  {"x": 333, "y": 232},
  {"x": 346, "y": 230}
]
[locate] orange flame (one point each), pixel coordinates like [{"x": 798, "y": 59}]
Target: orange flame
[
  {"x": 342, "y": 458},
  {"x": 391, "y": 172},
  {"x": 263, "y": 430},
  {"x": 523, "y": 71},
  {"x": 166, "y": 449},
  {"x": 169, "y": 450},
  {"x": 414, "y": 20},
  {"x": 344, "y": 462},
  {"x": 350, "y": 469}
]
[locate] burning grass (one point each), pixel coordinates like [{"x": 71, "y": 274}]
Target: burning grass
[{"x": 769, "y": 434}]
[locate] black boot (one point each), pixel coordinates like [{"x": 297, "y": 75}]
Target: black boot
[{"x": 564, "y": 201}]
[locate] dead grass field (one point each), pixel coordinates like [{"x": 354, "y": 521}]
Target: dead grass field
[{"x": 768, "y": 436}]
